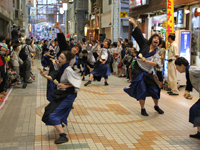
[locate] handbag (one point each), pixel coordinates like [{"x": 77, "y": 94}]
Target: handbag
[
  {"x": 119, "y": 65},
  {"x": 115, "y": 56}
]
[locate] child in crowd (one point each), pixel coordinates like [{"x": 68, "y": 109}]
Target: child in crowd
[
  {"x": 193, "y": 81},
  {"x": 15, "y": 60}
]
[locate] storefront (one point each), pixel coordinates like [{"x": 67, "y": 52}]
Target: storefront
[{"x": 195, "y": 41}]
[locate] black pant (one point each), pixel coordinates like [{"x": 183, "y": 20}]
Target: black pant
[{"x": 26, "y": 70}]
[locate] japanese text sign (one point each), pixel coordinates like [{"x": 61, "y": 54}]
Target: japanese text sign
[{"x": 170, "y": 18}]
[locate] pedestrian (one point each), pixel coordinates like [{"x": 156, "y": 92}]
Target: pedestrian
[
  {"x": 15, "y": 33},
  {"x": 172, "y": 75},
  {"x": 69, "y": 83},
  {"x": 15, "y": 60},
  {"x": 143, "y": 83},
  {"x": 27, "y": 62},
  {"x": 193, "y": 81},
  {"x": 159, "y": 71}
]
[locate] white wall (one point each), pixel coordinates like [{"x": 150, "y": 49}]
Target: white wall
[
  {"x": 108, "y": 32},
  {"x": 105, "y": 6}
]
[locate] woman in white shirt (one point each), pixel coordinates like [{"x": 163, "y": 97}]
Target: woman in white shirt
[{"x": 15, "y": 60}]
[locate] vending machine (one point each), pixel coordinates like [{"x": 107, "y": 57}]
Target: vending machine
[{"x": 183, "y": 40}]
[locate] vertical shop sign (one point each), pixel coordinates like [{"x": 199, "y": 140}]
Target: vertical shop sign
[{"x": 170, "y": 19}]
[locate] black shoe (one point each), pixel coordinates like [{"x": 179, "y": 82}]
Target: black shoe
[
  {"x": 160, "y": 111},
  {"x": 83, "y": 79},
  {"x": 173, "y": 93},
  {"x": 143, "y": 112},
  {"x": 106, "y": 83},
  {"x": 89, "y": 82},
  {"x": 196, "y": 136},
  {"x": 24, "y": 85},
  {"x": 62, "y": 139},
  {"x": 168, "y": 89},
  {"x": 169, "y": 92}
]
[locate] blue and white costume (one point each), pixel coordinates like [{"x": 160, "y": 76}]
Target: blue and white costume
[
  {"x": 143, "y": 83},
  {"x": 58, "y": 110}
]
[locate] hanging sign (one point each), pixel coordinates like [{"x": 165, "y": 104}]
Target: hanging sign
[
  {"x": 29, "y": 3},
  {"x": 170, "y": 19}
]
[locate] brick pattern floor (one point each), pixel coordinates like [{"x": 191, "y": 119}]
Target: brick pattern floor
[{"x": 104, "y": 118}]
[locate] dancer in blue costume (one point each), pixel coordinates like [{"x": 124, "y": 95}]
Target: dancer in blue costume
[
  {"x": 44, "y": 59},
  {"x": 101, "y": 69},
  {"x": 88, "y": 60},
  {"x": 193, "y": 81},
  {"x": 52, "y": 67},
  {"x": 69, "y": 83},
  {"x": 143, "y": 83}
]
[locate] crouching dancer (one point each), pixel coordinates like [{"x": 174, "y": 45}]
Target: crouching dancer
[
  {"x": 101, "y": 69},
  {"x": 193, "y": 81},
  {"x": 59, "y": 108},
  {"x": 143, "y": 83}
]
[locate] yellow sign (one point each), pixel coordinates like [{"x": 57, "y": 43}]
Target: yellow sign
[
  {"x": 170, "y": 19},
  {"x": 123, "y": 15}
]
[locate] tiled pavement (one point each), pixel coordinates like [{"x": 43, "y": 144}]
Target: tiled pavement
[{"x": 104, "y": 118}]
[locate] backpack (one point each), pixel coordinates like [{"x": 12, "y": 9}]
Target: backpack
[{"x": 23, "y": 54}]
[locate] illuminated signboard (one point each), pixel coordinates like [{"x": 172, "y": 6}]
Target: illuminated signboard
[
  {"x": 137, "y": 3},
  {"x": 185, "y": 45},
  {"x": 181, "y": 16}
]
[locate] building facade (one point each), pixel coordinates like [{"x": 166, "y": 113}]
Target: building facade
[
  {"x": 75, "y": 16},
  {"x": 151, "y": 17},
  {"x": 6, "y": 17}
]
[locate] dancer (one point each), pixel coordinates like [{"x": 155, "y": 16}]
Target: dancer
[
  {"x": 101, "y": 69},
  {"x": 193, "y": 81},
  {"x": 88, "y": 60},
  {"x": 69, "y": 83},
  {"x": 143, "y": 83}
]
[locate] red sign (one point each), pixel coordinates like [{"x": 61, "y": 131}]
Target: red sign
[{"x": 197, "y": 12}]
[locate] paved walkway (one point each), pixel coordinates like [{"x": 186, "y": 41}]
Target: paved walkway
[{"x": 104, "y": 118}]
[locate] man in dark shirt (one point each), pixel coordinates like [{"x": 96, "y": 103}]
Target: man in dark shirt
[{"x": 15, "y": 33}]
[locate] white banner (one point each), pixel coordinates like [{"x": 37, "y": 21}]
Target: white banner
[{"x": 32, "y": 12}]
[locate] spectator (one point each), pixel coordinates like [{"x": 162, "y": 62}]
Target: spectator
[
  {"x": 27, "y": 62},
  {"x": 15, "y": 33},
  {"x": 161, "y": 52},
  {"x": 15, "y": 60},
  {"x": 173, "y": 54}
]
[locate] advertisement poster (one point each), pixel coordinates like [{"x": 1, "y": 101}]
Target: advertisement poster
[
  {"x": 180, "y": 16},
  {"x": 185, "y": 45},
  {"x": 30, "y": 3},
  {"x": 33, "y": 12}
]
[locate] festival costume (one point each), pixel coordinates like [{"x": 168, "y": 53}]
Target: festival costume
[
  {"x": 143, "y": 83},
  {"x": 102, "y": 70},
  {"x": 58, "y": 110},
  {"x": 88, "y": 61},
  {"x": 51, "y": 86},
  {"x": 44, "y": 59},
  {"x": 193, "y": 81}
]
